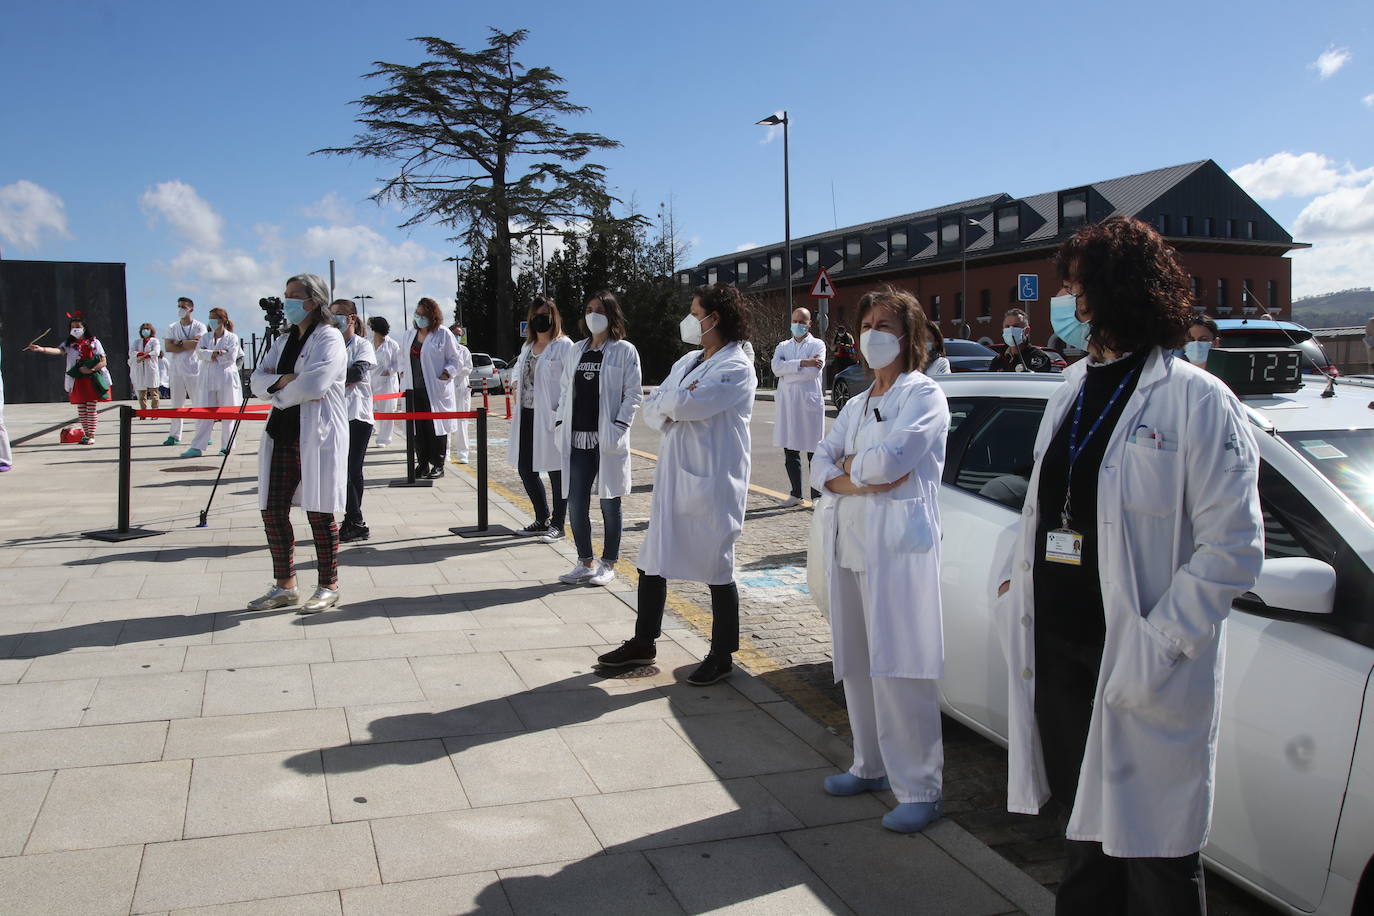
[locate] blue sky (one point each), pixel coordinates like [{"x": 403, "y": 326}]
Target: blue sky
[{"x": 176, "y": 138}]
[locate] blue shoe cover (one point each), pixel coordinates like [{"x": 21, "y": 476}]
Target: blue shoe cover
[
  {"x": 192, "y": 453},
  {"x": 912, "y": 817},
  {"x": 849, "y": 784}
]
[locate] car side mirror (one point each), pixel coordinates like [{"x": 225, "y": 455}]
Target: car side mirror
[{"x": 1299, "y": 584}]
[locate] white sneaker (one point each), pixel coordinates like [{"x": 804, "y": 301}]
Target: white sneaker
[
  {"x": 579, "y": 574},
  {"x": 789, "y": 502},
  {"x": 605, "y": 575}
]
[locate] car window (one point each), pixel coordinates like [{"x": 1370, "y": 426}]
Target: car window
[
  {"x": 1343, "y": 456},
  {"x": 481, "y": 359},
  {"x": 997, "y": 462},
  {"x": 966, "y": 348}
]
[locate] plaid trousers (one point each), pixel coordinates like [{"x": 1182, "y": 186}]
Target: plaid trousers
[{"x": 283, "y": 476}]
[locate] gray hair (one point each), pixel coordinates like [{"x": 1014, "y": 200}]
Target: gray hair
[
  {"x": 314, "y": 286},
  {"x": 1018, "y": 313}
]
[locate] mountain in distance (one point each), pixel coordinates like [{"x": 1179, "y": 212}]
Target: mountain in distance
[{"x": 1347, "y": 308}]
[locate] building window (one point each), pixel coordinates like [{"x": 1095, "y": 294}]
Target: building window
[
  {"x": 1209, "y": 226},
  {"x": 1185, "y": 225},
  {"x": 712, "y": 277},
  {"x": 1273, "y": 295},
  {"x": 1162, "y": 223},
  {"x": 852, "y": 248},
  {"x": 1073, "y": 209},
  {"x": 985, "y": 303},
  {"x": 958, "y": 306},
  {"x": 685, "y": 279},
  {"x": 949, "y": 234},
  {"x": 741, "y": 271},
  {"x": 1197, "y": 290},
  {"x": 1247, "y": 296},
  {"x": 813, "y": 257},
  {"x": 1230, "y": 229},
  {"x": 934, "y": 308},
  {"x": 775, "y": 266},
  {"x": 896, "y": 245},
  {"x": 1009, "y": 224},
  {"x": 1221, "y": 294},
  {"x": 1251, "y": 229}
]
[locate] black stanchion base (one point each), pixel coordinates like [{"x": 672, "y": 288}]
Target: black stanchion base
[
  {"x": 114, "y": 535},
  {"x": 411, "y": 483},
  {"x": 491, "y": 531}
]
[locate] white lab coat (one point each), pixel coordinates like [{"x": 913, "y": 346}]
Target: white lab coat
[
  {"x": 358, "y": 395},
  {"x": 938, "y": 366},
  {"x": 619, "y": 402},
  {"x": 462, "y": 397},
  {"x": 438, "y": 354},
  {"x": 548, "y": 385},
  {"x": 145, "y": 373},
  {"x": 701, "y": 481},
  {"x": 184, "y": 364},
  {"x": 319, "y": 392},
  {"x": 164, "y": 371},
  {"x": 1180, "y": 536},
  {"x": 388, "y": 360},
  {"x": 905, "y": 636},
  {"x": 801, "y": 398},
  {"x": 218, "y": 385}
]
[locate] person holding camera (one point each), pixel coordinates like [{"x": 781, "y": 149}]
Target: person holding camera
[{"x": 303, "y": 456}]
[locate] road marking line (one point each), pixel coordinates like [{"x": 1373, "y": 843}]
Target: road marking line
[{"x": 755, "y": 487}]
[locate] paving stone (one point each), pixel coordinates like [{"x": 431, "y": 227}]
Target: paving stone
[
  {"x": 12, "y": 669},
  {"x": 375, "y": 681},
  {"x": 803, "y": 793},
  {"x": 606, "y": 885},
  {"x": 556, "y": 668},
  {"x": 75, "y": 638},
  {"x": 414, "y": 721},
  {"x": 675, "y": 815},
  {"x": 747, "y": 743},
  {"x": 514, "y": 639},
  {"x": 21, "y": 795},
  {"x": 543, "y": 709},
  {"x": 54, "y": 704},
  {"x": 479, "y": 892},
  {"x": 91, "y": 882},
  {"x": 482, "y": 839},
  {"x": 146, "y": 698},
  {"x": 252, "y": 792},
  {"x": 323, "y": 904},
  {"x": 394, "y": 779},
  {"x": 635, "y": 755},
  {"x": 399, "y": 645},
  {"x": 112, "y": 806},
  {"x": 234, "y": 691},
  {"x": 226, "y": 735},
  {"x": 753, "y": 875},
  {"x": 258, "y": 626},
  {"x": 513, "y": 768},
  {"x": 699, "y": 701},
  {"x": 255, "y": 866},
  {"x": 164, "y": 632},
  {"x": 458, "y": 679},
  {"x": 589, "y": 605},
  {"x": 257, "y": 654}
]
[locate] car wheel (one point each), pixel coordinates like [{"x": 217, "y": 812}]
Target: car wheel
[{"x": 840, "y": 394}]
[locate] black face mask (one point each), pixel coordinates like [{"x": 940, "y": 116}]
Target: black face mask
[{"x": 541, "y": 324}]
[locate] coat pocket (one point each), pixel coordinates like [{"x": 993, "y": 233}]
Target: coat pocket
[
  {"x": 1144, "y": 662},
  {"x": 1150, "y": 479},
  {"x": 907, "y": 526},
  {"x": 692, "y": 494}
]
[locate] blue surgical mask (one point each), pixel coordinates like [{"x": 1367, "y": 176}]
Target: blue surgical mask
[
  {"x": 1196, "y": 351},
  {"x": 421, "y": 321},
  {"x": 1067, "y": 326},
  {"x": 294, "y": 309},
  {"x": 1014, "y": 337},
  {"x": 799, "y": 329}
]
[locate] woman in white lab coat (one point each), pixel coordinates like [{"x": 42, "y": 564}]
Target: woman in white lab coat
[
  {"x": 537, "y": 381},
  {"x": 303, "y": 454},
  {"x": 433, "y": 361},
  {"x": 462, "y": 397},
  {"x": 386, "y": 378},
  {"x": 937, "y": 361},
  {"x": 701, "y": 480},
  {"x": 145, "y": 373},
  {"x": 217, "y": 385},
  {"x": 1140, "y": 527},
  {"x": 880, "y": 467},
  {"x": 601, "y": 394}
]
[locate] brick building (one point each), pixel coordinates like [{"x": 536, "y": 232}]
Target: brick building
[{"x": 973, "y": 250}]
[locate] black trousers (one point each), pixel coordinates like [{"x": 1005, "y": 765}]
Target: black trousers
[
  {"x": 359, "y": 435},
  {"x": 1094, "y": 883},
  {"x": 791, "y": 459},
  {"x": 534, "y": 487},
  {"x": 429, "y": 445},
  {"x": 653, "y": 596}
]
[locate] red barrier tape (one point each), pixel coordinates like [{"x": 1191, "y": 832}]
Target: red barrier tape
[
  {"x": 232, "y": 413},
  {"x": 464, "y": 415},
  {"x": 388, "y": 397}
]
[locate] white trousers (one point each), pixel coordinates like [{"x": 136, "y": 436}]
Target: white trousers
[
  {"x": 458, "y": 441},
  {"x": 895, "y": 720},
  {"x": 5, "y": 457},
  {"x": 183, "y": 388},
  {"x": 222, "y": 396}
]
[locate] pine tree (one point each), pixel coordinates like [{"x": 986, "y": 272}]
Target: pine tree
[{"x": 479, "y": 146}]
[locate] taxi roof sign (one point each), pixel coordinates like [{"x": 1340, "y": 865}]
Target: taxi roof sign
[{"x": 822, "y": 288}]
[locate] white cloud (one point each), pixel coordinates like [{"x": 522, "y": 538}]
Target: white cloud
[
  {"x": 186, "y": 211},
  {"x": 1368, "y": 100},
  {"x": 1329, "y": 61},
  {"x": 28, "y": 212},
  {"x": 773, "y": 132},
  {"x": 1339, "y": 264},
  {"x": 1296, "y": 175},
  {"x": 746, "y": 246},
  {"x": 1338, "y": 214},
  {"x": 1339, "y": 222},
  {"x": 332, "y": 209}
]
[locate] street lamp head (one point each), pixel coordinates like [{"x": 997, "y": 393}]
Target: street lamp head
[
  {"x": 773, "y": 120},
  {"x": 403, "y": 280}
]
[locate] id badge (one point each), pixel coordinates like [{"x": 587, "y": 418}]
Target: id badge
[{"x": 1065, "y": 546}]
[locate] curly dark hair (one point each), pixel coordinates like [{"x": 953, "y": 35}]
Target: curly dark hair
[
  {"x": 430, "y": 309},
  {"x": 1131, "y": 282},
  {"x": 380, "y": 325},
  {"x": 731, "y": 305},
  {"x": 908, "y": 308}
]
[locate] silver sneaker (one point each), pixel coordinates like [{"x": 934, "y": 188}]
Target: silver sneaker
[
  {"x": 275, "y": 598},
  {"x": 322, "y": 599}
]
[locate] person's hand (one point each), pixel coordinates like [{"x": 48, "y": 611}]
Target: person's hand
[
  {"x": 284, "y": 380},
  {"x": 35, "y": 348},
  {"x": 444, "y": 376},
  {"x": 811, "y": 363},
  {"x": 1003, "y": 588},
  {"x": 884, "y": 487},
  {"x": 386, "y": 372},
  {"x": 86, "y": 370},
  {"x": 214, "y": 355},
  {"x": 693, "y": 386},
  {"x": 847, "y": 463}
]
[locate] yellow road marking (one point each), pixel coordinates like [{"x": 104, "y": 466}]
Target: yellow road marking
[{"x": 755, "y": 487}]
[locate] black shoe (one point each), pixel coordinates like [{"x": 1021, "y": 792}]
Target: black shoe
[
  {"x": 435, "y": 474},
  {"x": 534, "y": 529},
  {"x": 631, "y": 652},
  {"x": 713, "y": 668},
  {"x": 352, "y": 532},
  {"x": 421, "y": 472}
]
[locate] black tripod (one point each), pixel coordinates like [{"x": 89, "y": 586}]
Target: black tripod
[{"x": 268, "y": 337}]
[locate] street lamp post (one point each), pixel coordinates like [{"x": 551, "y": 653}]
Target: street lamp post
[
  {"x": 362, "y": 304},
  {"x": 458, "y": 288},
  {"x": 774, "y": 120},
  {"x": 963, "y": 269},
  {"x": 405, "y": 306}
]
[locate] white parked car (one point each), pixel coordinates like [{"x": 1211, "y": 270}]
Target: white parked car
[
  {"x": 1294, "y": 810},
  {"x": 484, "y": 374}
]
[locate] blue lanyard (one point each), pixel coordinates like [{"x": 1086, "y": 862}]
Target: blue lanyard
[{"x": 1075, "y": 447}]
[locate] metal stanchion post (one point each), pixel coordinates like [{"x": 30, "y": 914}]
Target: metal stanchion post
[
  {"x": 126, "y": 445},
  {"x": 484, "y": 528},
  {"x": 410, "y": 480}
]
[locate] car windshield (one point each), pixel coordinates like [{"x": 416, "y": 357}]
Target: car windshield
[
  {"x": 1343, "y": 456},
  {"x": 481, "y": 359},
  {"x": 966, "y": 348}
]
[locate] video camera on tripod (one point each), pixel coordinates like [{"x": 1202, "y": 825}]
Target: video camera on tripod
[{"x": 274, "y": 313}]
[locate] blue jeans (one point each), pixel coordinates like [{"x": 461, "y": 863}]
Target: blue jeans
[{"x": 581, "y": 478}]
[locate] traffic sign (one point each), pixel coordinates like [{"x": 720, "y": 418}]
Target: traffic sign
[
  {"x": 822, "y": 288},
  {"x": 1027, "y": 287},
  {"x": 524, "y": 329}
]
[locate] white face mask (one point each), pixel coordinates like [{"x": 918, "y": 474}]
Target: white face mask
[
  {"x": 596, "y": 322},
  {"x": 690, "y": 330},
  {"x": 183, "y": 311},
  {"x": 78, "y": 333},
  {"x": 879, "y": 348},
  {"x": 1014, "y": 336},
  {"x": 1196, "y": 351}
]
